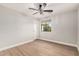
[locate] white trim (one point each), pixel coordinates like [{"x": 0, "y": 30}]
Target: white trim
[
  {"x": 18, "y": 44},
  {"x": 69, "y": 44}
]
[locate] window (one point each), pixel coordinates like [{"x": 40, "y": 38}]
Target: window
[{"x": 46, "y": 26}]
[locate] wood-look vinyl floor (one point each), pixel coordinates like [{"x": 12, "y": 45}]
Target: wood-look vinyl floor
[{"x": 40, "y": 48}]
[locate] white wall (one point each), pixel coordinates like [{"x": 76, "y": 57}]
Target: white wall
[
  {"x": 15, "y": 28},
  {"x": 37, "y": 22},
  {"x": 64, "y": 28},
  {"x": 78, "y": 30}
]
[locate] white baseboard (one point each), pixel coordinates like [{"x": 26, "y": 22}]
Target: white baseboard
[
  {"x": 18, "y": 44},
  {"x": 68, "y": 44}
]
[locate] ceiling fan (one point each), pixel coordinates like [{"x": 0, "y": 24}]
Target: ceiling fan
[{"x": 40, "y": 9}]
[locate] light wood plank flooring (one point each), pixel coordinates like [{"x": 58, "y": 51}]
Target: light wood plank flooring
[{"x": 40, "y": 48}]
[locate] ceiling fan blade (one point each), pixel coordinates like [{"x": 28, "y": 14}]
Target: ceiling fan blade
[
  {"x": 33, "y": 9},
  {"x": 34, "y": 13},
  {"x": 48, "y": 10}
]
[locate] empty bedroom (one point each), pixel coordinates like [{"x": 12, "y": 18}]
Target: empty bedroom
[{"x": 39, "y": 29}]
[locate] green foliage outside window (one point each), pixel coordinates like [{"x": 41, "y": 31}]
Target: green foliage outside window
[{"x": 45, "y": 27}]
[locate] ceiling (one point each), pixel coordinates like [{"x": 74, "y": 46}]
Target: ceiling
[{"x": 56, "y": 7}]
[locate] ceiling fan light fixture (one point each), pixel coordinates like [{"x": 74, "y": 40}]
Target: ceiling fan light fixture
[{"x": 44, "y": 4}]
